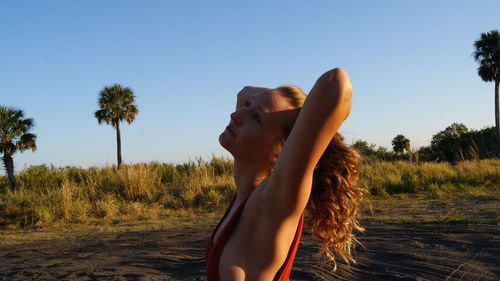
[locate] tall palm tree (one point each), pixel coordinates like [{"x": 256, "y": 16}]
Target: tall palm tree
[
  {"x": 487, "y": 54},
  {"x": 116, "y": 104},
  {"x": 14, "y": 136}
]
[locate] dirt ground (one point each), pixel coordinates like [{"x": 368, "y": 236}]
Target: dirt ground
[{"x": 404, "y": 240}]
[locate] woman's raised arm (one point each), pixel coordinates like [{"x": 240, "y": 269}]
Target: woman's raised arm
[{"x": 326, "y": 107}]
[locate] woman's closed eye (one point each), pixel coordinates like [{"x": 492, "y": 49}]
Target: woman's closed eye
[{"x": 256, "y": 117}]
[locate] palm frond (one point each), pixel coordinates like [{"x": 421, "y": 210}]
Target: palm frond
[
  {"x": 116, "y": 104},
  {"x": 14, "y": 130},
  {"x": 26, "y": 141},
  {"x": 487, "y": 54},
  {"x": 486, "y": 72}
]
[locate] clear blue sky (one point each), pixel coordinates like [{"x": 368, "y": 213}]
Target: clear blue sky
[{"x": 410, "y": 63}]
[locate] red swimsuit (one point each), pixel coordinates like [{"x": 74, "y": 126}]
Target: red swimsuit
[{"x": 214, "y": 251}]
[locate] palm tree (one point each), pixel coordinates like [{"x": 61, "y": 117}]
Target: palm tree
[
  {"x": 487, "y": 54},
  {"x": 400, "y": 143},
  {"x": 14, "y": 136},
  {"x": 116, "y": 104}
]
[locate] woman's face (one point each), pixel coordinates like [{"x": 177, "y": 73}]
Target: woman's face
[{"x": 255, "y": 128}]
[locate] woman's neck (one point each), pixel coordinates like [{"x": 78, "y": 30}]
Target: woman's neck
[{"x": 247, "y": 176}]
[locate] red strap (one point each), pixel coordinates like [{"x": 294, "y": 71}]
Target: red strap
[
  {"x": 283, "y": 273},
  {"x": 214, "y": 250}
]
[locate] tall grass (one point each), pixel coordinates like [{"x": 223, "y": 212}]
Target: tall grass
[
  {"x": 430, "y": 178},
  {"x": 48, "y": 195}
]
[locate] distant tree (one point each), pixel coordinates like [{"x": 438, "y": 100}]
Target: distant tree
[
  {"x": 479, "y": 144},
  {"x": 425, "y": 153},
  {"x": 400, "y": 144},
  {"x": 363, "y": 147},
  {"x": 457, "y": 142},
  {"x": 116, "y": 104},
  {"x": 14, "y": 136},
  {"x": 372, "y": 152},
  {"x": 381, "y": 150},
  {"x": 487, "y": 54},
  {"x": 446, "y": 144},
  {"x": 455, "y": 130}
]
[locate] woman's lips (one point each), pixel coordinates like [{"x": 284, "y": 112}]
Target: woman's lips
[{"x": 230, "y": 131}]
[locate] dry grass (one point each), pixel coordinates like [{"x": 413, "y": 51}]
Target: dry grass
[
  {"x": 431, "y": 179},
  {"x": 50, "y": 197}
]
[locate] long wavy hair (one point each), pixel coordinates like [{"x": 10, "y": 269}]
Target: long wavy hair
[{"x": 335, "y": 198}]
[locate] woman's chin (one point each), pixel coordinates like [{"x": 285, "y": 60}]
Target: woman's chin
[
  {"x": 227, "y": 142},
  {"x": 223, "y": 141}
]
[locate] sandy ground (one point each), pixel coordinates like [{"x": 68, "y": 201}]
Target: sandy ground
[{"x": 460, "y": 247}]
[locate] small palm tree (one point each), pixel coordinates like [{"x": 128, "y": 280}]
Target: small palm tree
[
  {"x": 14, "y": 136},
  {"x": 400, "y": 143},
  {"x": 487, "y": 54},
  {"x": 116, "y": 104}
]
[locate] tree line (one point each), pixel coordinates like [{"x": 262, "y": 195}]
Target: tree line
[{"x": 456, "y": 142}]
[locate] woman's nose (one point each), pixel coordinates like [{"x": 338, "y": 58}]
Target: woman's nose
[{"x": 237, "y": 116}]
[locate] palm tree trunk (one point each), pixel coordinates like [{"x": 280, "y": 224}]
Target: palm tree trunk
[
  {"x": 118, "y": 144},
  {"x": 8, "y": 162},
  {"x": 497, "y": 118}
]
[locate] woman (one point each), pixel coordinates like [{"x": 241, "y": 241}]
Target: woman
[{"x": 258, "y": 236}]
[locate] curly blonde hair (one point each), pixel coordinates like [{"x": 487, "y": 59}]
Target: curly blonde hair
[{"x": 335, "y": 198}]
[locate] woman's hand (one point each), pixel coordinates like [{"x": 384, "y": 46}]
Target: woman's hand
[{"x": 246, "y": 93}]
